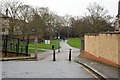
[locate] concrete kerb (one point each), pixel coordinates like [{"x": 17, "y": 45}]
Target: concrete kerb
[
  {"x": 97, "y": 73},
  {"x": 20, "y": 58},
  {"x": 24, "y": 58},
  {"x": 94, "y": 71}
]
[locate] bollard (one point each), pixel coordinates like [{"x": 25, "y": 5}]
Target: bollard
[
  {"x": 58, "y": 46},
  {"x": 53, "y": 46},
  {"x": 70, "y": 55},
  {"x": 54, "y": 55},
  {"x": 59, "y": 50}
]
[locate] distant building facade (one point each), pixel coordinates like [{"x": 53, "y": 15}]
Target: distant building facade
[
  {"x": 117, "y": 21},
  {"x": 4, "y": 24}
]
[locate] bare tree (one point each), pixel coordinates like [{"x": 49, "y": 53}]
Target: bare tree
[
  {"x": 11, "y": 9},
  {"x": 98, "y": 17},
  {"x": 25, "y": 16}
]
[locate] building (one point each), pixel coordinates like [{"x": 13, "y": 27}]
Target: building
[
  {"x": 1, "y": 23},
  {"x": 117, "y": 21},
  {"x": 4, "y": 24}
]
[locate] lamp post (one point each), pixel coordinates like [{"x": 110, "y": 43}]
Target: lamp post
[{"x": 58, "y": 40}]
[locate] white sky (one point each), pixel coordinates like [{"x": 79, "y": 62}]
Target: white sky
[{"x": 73, "y": 7}]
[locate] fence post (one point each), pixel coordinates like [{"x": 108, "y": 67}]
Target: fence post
[
  {"x": 17, "y": 49},
  {"x": 18, "y": 45},
  {"x": 4, "y": 44},
  {"x": 27, "y": 47},
  {"x": 26, "y": 50},
  {"x": 6, "y": 40},
  {"x": 70, "y": 55},
  {"x": 54, "y": 55}
]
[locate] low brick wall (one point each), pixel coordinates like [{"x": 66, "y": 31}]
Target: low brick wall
[
  {"x": 104, "y": 47},
  {"x": 100, "y": 59},
  {"x": 13, "y": 54}
]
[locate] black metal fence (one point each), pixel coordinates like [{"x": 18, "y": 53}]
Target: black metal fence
[{"x": 13, "y": 44}]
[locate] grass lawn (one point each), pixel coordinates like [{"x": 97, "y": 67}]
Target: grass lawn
[
  {"x": 30, "y": 51},
  {"x": 74, "y": 42},
  {"x": 23, "y": 51},
  {"x": 42, "y": 45}
]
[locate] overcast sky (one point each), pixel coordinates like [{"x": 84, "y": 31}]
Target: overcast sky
[{"x": 73, "y": 7}]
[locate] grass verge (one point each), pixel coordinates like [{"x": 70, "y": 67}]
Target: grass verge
[
  {"x": 42, "y": 45},
  {"x": 74, "y": 42}
]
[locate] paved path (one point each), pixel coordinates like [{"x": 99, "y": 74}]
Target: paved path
[
  {"x": 64, "y": 51},
  {"x": 106, "y": 70},
  {"x": 46, "y": 68}
]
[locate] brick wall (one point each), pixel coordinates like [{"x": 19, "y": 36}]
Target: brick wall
[{"x": 104, "y": 47}]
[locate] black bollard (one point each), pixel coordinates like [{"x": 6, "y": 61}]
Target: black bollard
[
  {"x": 70, "y": 55},
  {"x": 53, "y": 46},
  {"x": 54, "y": 55},
  {"x": 59, "y": 50},
  {"x": 58, "y": 46}
]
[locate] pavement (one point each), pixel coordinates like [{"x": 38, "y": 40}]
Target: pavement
[
  {"x": 73, "y": 69},
  {"x": 63, "y": 55},
  {"x": 107, "y": 71},
  {"x": 43, "y": 69},
  {"x": 46, "y": 67},
  {"x": 100, "y": 69}
]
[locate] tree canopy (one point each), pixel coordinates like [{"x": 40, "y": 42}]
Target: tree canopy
[{"x": 27, "y": 21}]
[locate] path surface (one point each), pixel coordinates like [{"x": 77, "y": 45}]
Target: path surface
[
  {"x": 64, "y": 52},
  {"x": 46, "y": 68}
]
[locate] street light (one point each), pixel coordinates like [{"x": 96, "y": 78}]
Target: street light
[{"x": 58, "y": 36}]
